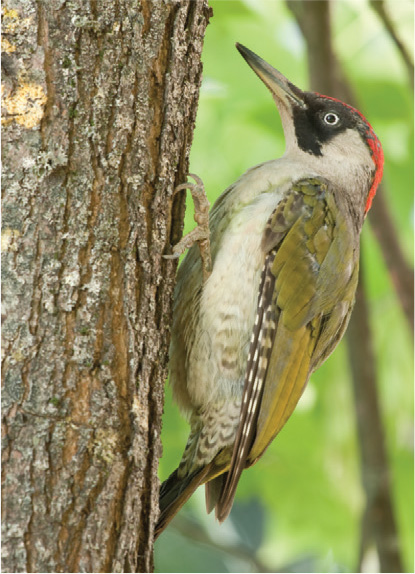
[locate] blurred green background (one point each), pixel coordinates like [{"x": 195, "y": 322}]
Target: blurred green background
[{"x": 300, "y": 507}]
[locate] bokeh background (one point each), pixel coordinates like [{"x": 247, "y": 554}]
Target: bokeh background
[{"x": 301, "y": 507}]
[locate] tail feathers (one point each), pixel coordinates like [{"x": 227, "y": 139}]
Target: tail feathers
[
  {"x": 213, "y": 491},
  {"x": 225, "y": 499},
  {"x": 174, "y": 492}
]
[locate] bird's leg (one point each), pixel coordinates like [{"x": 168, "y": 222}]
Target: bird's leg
[{"x": 200, "y": 233}]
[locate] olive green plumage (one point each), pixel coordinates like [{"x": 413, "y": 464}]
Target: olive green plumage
[
  {"x": 310, "y": 253},
  {"x": 285, "y": 255}
]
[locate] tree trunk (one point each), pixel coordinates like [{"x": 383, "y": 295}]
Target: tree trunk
[{"x": 98, "y": 113}]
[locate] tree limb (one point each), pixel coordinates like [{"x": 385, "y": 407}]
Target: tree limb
[
  {"x": 401, "y": 275},
  {"x": 378, "y": 522},
  {"x": 327, "y": 77},
  {"x": 379, "y": 7}
]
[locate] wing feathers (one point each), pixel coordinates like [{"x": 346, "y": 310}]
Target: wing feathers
[
  {"x": 305, "y": 298},
  {"x": 260, "y": 349},
  {"x": 289, "y": 364}
]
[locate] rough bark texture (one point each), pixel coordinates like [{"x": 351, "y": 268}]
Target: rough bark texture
[{"x": 98, "y": 113}]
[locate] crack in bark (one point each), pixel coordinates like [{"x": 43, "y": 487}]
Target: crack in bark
[
  {"x": 28, "y": 532},
  {"x": 50, "y": 80}
]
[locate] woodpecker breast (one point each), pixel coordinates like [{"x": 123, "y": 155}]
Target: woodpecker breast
[
  {"x": 285, "y": 254},
  {"x": 237, "y": 220}
]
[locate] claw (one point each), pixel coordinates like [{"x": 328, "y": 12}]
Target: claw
[{"x": 200, "y": 234}]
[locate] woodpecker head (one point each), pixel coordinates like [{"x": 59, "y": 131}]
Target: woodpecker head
[{"x": 332, "y": 138}]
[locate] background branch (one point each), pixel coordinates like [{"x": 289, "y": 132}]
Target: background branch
[
  {"x": 194, "y": 531},
  {"x": 308, "y": 486},
  {"x": 401, "y": 274},
  {"x": 378, "y": 522},
  {"x": 326, "y": 76},
  {"x": 379, "y": 7}
]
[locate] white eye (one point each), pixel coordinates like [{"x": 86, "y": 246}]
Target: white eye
[{"x": 331, "y": 119}]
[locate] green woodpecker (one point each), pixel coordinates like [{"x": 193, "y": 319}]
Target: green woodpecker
[{"x": 285, "y": 257}]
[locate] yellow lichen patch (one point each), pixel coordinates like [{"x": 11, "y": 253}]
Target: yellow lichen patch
[
  {"x": 25, "y": 105},
  {"x": 18, "y": 356},
  {"x": 11, "y": 22},
  {"x": 6, "y": 46},
  {"x": 8, "y": 239},
  {"x": 7, "y": 13}
]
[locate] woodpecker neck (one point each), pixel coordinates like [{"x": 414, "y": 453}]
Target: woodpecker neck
[
  {"x": 345, "y": 160},
  {"x": 375, "y": 148},
  {"x": 345, "y": 151},
  {"x": 350, "y": 174}
]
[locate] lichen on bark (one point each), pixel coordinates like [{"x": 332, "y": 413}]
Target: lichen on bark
[{"x": 98, "y": 114}]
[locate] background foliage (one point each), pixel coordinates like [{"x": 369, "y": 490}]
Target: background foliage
[{"x": 300, "y": 507}]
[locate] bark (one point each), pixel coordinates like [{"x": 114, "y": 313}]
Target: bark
[
  {"x": 98, "y": 113},
  {"x": 378, "y": 523}
]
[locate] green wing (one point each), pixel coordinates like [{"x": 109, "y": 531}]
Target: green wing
[{"x": 304, "y": 303}]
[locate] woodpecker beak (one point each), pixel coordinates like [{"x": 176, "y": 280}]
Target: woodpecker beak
[{"x": 280, "y": 87}]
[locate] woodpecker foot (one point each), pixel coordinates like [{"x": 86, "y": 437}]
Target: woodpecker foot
[{"x": 199, "y": 234}]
